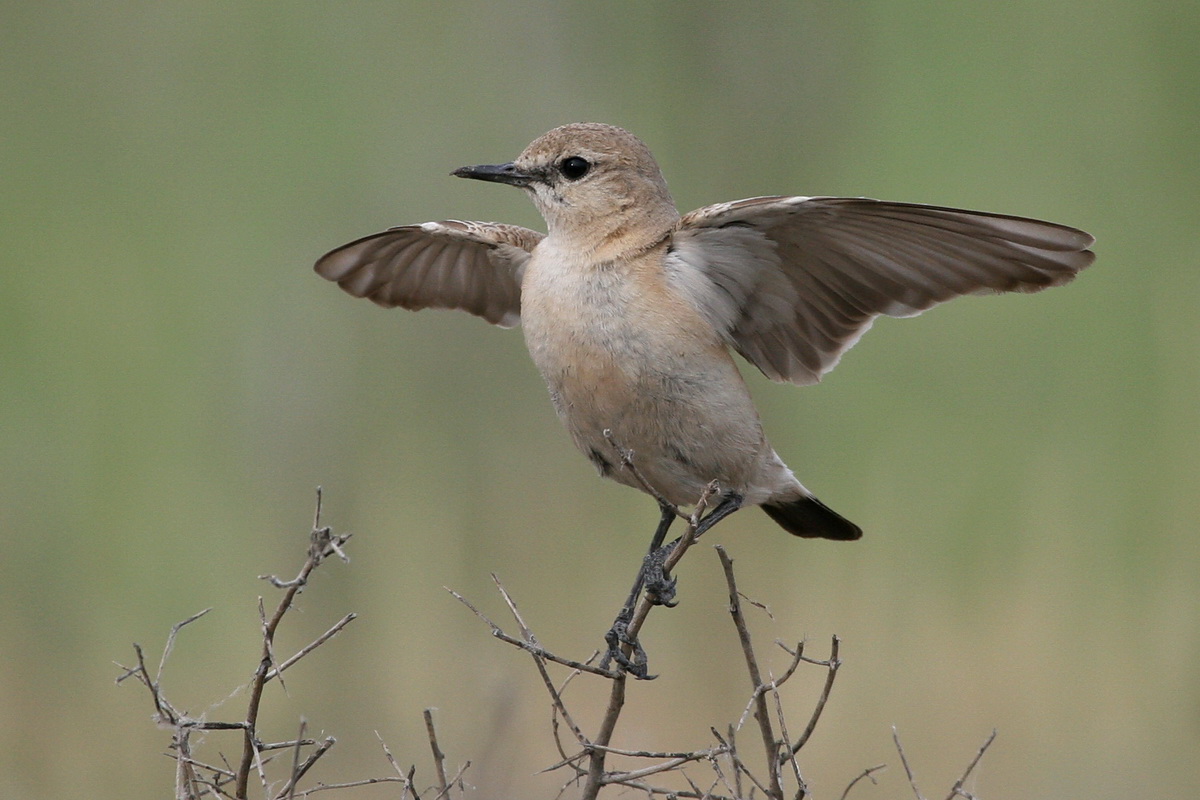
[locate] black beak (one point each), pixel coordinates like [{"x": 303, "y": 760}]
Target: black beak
[{"x": 497, "y": 173}]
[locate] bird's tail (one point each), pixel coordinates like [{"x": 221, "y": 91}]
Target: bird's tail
[{"x": 809, "y": 517}]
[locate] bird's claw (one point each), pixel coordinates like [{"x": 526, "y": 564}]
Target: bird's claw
[
  {"x": 617, "y": 638},
  {"x": 660, "y": 587}
]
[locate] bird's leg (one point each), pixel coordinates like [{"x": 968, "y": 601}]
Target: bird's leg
[
  {"x": 618, "y": 634},
  {"x": 730, "y": 503},
  {"x": 660, "y": 587}
]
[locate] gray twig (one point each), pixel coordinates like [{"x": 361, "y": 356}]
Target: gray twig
[
  {"x": 770, "y": 747},
  {"x": 439, "y": 758},
  {"x": 868, "y": 773},
  {"x": 912, "y": 781},
  {"x": 957, "y": 789}
]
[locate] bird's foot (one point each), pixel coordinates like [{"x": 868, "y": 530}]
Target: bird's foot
[
  {"x": 660, "y": 587},
  {"x": 617, "y": 639}
]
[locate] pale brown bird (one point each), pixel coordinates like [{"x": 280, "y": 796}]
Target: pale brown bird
[{"x": 630, "y": 311}]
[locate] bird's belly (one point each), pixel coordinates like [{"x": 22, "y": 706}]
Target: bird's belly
[{"x": 677, "y": 402}]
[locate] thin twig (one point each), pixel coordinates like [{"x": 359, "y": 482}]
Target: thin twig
[
  {"x": 405, "y": 777},
  {"x": 290, "y": 788},
  {"x": 164, "y": 711},
  {"x": 528, "y": 636},
  {"x": 283, "y": 745},
  {"x": 770, "y": 747},
  {"x": 455, "y": 781},
  {"x": 737, "y": 775},
  {"x": 186, "y": 779},
  {"x": 741, "y": 769},
  {"x": 869, "y": 773},
  {"x": 320, "y": 640},
  {"x": 529, "y": 647},
  {"x": 325, "y": 787},
  {"x": 797, "y": 657},
  {"x": 217, "y": 771},
  {"x": 616, "y": 697},
  {"x": 688, "y": 756},
  {"x": 596, "y": 757},
  {"x": 696, "y": 793},
  {"x": 675, "y": 760},
  {"x": 439, "y": 758},
  {"x": 312, "y": 759},
  {"x": 322, "y": 542},
  {"x": 623, "y": 777},
  {"x": 170, "y": 645},
  {"x": 912, "y": 781},
  {"x": 958, "y": 784},
  {"x": 833, "y": 664},
  {"x": 565, "y": 760},
  {"x": 763, "y": 607},
  {"x": 801, "y": 785},
  {"x": 627, "y": 462},
  {"x": 269, "y": 644}
]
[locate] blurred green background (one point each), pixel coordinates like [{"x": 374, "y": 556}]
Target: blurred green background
[{"x": 176, "y": 381}]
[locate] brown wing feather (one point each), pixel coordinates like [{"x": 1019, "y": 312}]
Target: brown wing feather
[
  {"x": 472, "y": 266},
  {"x": 841, "y": 262}
]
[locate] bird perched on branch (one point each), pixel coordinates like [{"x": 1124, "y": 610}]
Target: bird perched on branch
[{"x": 630, "y": 311}]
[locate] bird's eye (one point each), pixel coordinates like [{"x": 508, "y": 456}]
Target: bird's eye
[{"x": 573, "y": 167}]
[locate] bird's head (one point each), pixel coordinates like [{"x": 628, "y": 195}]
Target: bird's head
[{"x": 591, "y": 182}]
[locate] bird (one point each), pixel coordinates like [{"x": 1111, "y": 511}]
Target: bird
[{"x": 631, "y": 311}]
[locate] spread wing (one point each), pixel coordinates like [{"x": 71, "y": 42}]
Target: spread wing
[
  {"x": 793, "y": 282},
  {"x": 472, "y": 266}
]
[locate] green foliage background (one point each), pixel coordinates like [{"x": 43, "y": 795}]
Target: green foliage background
[{"x": 176, "y": 381}]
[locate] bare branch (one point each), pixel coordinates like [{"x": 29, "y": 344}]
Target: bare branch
[
  {"x": 589, "y": 770},
  {"x": 868, "y": 773},
  {"x": 627, "y": 462},
  {"x": 616, "y": 699},
  {"x": 912, "y": 781},
  {"x": 737, "y": 774},
  {"x": 833, "y": 664},
  {"x": 269, "y": 644},
  {"x": 761, "y": 714},
  {"x": 625, "y": 777},
  {"x": 405, "y": 777},
  {"x": 269, "y": 746},
  {"x": 688, "y": 756},
  {"x": 299, "y": 771},
  {"x": 790, "y": 754},
  {"x": 439, "y": 758},
  {"x": 325, "y": 787},
  {"x": 196, "y": 779},
  {"x": 741, "y": 768},
  {"x": 170, "y": 645},
  {"x": 529, "y": 647},
  {"x": 290, "y": 788},
  {"x": 957, "y": 790},
  {"x": 555, "y": 696},
  {"x": 322, "y": 543},
  {"x": 320, "y": 640},
  {"x": 797, "y": 657},
  {"x": 455, "y": 781}
]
